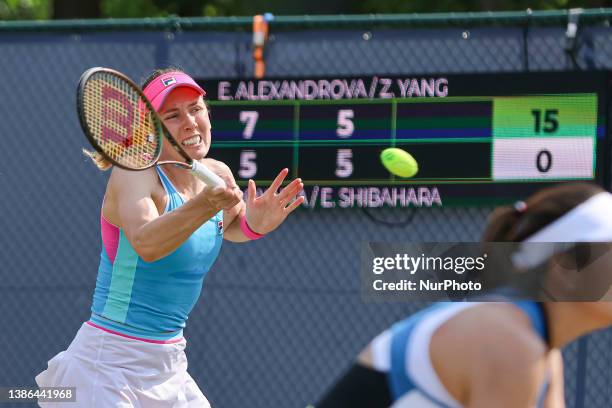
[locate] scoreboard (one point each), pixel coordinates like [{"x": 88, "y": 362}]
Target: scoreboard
[{"x": 476, "y": 138}]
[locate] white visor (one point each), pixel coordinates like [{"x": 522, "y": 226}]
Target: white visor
[{"x": 590, "y": 221}]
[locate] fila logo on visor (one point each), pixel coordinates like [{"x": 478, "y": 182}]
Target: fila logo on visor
[{"x": 168, "y": 81}]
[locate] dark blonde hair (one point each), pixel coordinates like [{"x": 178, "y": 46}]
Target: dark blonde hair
[
  {"x": 100, "y": 161},
  {"x": 515, "y": 224}
]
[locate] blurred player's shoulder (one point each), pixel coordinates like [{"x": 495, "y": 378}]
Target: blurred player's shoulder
[
  {"x": 471, "y": 341},
  {"x": 489, "y": 324}
]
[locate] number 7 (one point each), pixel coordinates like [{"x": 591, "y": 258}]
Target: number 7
[{"x": 249, "y": 118}]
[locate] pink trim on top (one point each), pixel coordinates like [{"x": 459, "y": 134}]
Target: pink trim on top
[
  {"x": 110, "y": 232},
  {"x": 110, "y": 237},
  {"x": 158, "y": 89},
  {"x": 135, "y": 338}
]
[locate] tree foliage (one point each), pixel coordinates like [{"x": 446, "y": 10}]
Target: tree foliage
[
  {"x": 24, "y": 9},
  {"x": 47, "y": 9},
  {"x": 420, "y": 6}
]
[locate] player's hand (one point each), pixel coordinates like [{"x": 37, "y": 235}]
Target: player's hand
[
  {"x": 220, "y": 198},
  {"x": 221, "y": 170},
  {"x": 266, "y": 212}
]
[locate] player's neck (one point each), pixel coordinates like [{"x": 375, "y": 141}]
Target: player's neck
[
  {"x": 568, "y": 321},
  {"x": 183, "y": 180}
]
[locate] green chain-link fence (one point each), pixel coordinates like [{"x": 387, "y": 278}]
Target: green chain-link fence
[{"x": 280, "y": 318}]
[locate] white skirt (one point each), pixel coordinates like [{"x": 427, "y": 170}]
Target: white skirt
[{"x": 111, "y": 371}]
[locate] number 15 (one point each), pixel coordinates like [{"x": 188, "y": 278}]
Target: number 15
[{"x": 551, "y": 121}]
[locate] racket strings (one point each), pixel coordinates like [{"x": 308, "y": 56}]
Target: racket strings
[{"x": 120, "y": 122}]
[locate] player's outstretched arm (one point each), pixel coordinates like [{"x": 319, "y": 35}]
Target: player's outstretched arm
[{"x": 153, "y": 236}]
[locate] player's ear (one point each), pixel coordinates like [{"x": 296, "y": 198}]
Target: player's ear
[
  {"x": 564, "y": 273},
  {"x": 207, "y": 105},
  {"x": 562, "y": 276}
]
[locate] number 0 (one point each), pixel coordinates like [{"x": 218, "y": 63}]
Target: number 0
[{"x": 544, "y": 161}]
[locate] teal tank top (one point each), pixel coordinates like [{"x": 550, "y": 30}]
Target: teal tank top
[{"x": 151, "y": 300}]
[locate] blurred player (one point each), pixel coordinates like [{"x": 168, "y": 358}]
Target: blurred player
[
  {"x": 502, "y": 354},
  {"x": 161, "y": 232}
]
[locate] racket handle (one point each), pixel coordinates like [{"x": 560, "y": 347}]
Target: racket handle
[{"x": 206, "y": 175}]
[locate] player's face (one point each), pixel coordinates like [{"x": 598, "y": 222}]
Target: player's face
[
  {"x": 186, "y": 117},
  {"x": 601, "y": 274},
  {"x": 592, "y": 281}
]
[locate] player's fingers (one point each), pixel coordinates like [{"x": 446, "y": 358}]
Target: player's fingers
[
  {"x": 234, "y": 202},
  {"x": 292, "y": 189},
  {"x": 278, "y": 180},
  {"x": 231, "y": 185},
  {"x": 230, "y": 198},
  {"x": 215, "y": 191},
  {"x": 238, "y": 192},
  {"x": 294, "y": 192},
  {"x": 294, "y": 205},
  {"x": 252, "y": 191},
  {"x": 222, "y": 193}
]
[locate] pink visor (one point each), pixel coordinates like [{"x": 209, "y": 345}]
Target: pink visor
[{"x": 158, "y": 90}]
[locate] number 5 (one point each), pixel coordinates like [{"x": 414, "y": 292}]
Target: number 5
[
  {"x": 248, "y": 166},
  {"x": 344, "y": 165},
  {"x": 345, "y": 124}
]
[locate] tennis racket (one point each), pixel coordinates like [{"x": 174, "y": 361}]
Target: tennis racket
[{"x": 120, "y": 123}]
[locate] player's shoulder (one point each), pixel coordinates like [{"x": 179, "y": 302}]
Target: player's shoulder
[
  {"x": 494, "y": 336},
  {"x": 120, "y": 174},
  {"x": 508, "y": 330},
  {"x": 486, "y": 343},
  {"x": 125, "y": 180}
]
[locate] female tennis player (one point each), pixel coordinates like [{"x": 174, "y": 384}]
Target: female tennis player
[
  {"x": 502, "y": 354},
  {"x": 161, "y": 232}
]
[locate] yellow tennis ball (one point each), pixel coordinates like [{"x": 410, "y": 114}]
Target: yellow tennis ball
[{"x": 399, "y": 162}]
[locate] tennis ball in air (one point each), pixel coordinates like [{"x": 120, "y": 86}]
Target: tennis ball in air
[{"x": 399, "y": 162}]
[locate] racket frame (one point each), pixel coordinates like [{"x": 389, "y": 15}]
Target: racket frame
[
  {"x": 196, "y": 168},
  {"x": 161, "y": 130}
]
